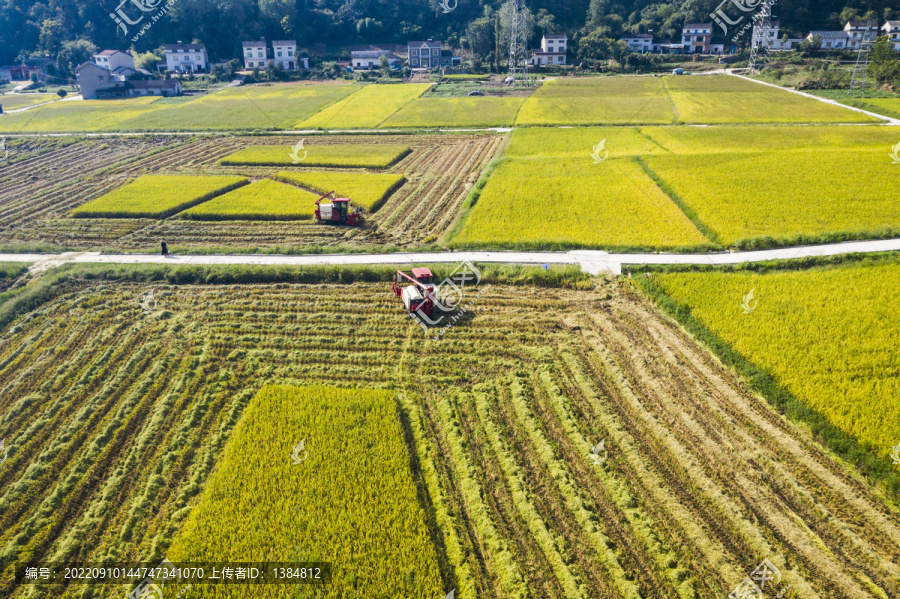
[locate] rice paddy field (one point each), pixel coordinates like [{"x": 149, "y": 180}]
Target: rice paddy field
[
  {"x": 367, "y": 108},
  {"x": 845, "y": 363},
  {"x": 157, "y": 196},
  {"x": 261, "y": 200},
  {"x": 16, "y": 101},
  {"x": 135, "y": 429},
  {"x": 366, "y": 190},
  {"x": 574, "y": 202},
  {"x": 887, "y": 106},
  {"x": 456, "y": 112}
]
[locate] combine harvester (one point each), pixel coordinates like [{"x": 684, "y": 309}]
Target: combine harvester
[
  {"x": 420, "y": 295},
  {"x": 338, "y": 212}
]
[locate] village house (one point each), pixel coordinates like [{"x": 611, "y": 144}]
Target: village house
[
  {"x": 553, "y": 50},
  {"x": 284, "y": 52},
  {"x": 857, "y": 31},
  {"x": 696, "y": 37},
  {"x": 256, "y": 55},
  {"x": 97, "y": 82},
  {"x": 892, "y": 30},
  {"x": 114, "y": 60},
  {"x": 361, "y": 60},
  {"x": 186, "y": 58},
  {"x": 639, "y": 42},
  {"x": 424, "y": 55},
  {"x": 831, "y": 40}
]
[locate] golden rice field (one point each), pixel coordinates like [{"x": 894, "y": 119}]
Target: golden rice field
[
  {"x": 77, "y": 115},
  {"x": 366, "y": 108},
  {"x": 796, "y": 195},
  {"x": 722, "y": 99},
  {"x": 564, "y": 202},
  {"x": 261, "y": 200},
  {"x": 456, "y": 112},
  {"x": 367, "y": 190},
  {"x": 351, "y": 499},
  {"x": 828, "y": 335},
  {"x": 15, "y": 101},
  {"x": 311, "y": 154},
  {"x": 134, "y": 426},
  {"x": 598, "y": 101},
  {"x": 887, "y": 106},
  {"x": 158, "y": 196}
]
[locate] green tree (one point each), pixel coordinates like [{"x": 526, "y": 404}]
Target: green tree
[
  {"x": 885, "y": 66},
  {"x": 147, "y": 60},
  {"x": 73, "y": 54}
]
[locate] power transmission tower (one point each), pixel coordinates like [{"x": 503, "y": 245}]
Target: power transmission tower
[
  {"x": 759, "y": 42},
  {"x": 518, "y": 40},
  {"x": 861, "y": 70}
]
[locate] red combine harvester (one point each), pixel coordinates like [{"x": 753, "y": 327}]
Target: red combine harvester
[
  {"x": 419, "y": 295},
  {"x": 338, "y": 212}
]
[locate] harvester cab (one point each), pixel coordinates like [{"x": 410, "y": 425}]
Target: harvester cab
[
  {"x": 338, "y": 212},
  {"x": 419, "y": 295}
]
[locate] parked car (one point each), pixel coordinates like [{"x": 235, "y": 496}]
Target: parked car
[
  {"x": 477, "y": 92},
  {"x": 678, "y": 72}
]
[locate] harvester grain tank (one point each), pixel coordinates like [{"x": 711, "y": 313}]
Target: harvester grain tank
[
  {"x": 338, "y": 212},
  {"x": 420, "y": 295}
]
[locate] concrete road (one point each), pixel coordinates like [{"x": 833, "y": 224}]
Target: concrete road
[{"x": 593, "y": 262}]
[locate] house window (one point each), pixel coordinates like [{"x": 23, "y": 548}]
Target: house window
[
  {"x": 279, "y": 55},
  {"x": 249, "y": 64},
  {"x": 290, "y": 52}
]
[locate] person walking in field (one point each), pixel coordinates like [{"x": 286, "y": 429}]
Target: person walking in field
[{"x": 165, "y": 249}]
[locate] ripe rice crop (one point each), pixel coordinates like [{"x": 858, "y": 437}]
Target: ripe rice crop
[
  {"x": 262, "y": 200},
  {"x": 580, "y": 142},
  {"x": 351, "y": 501},
  {"x": 367, "y": 108},
  {"x": 350, "y": 156},
  {"x": 829, "y": 336},
  {"x": 786, "y": 197},
  {"x": 598, "y": 101},
  {"x": 367, "y": 190},
  {"x": 139, "y": 422},
  {"x": 886, "y": 106},
  {"x": 84, "y": 115},
  {"x": 766, "y": 138},
  {"x": 157, "y": 196},
  {"x": 456, "y": 112},
  {"x": 726, "y": 99},
  {"x": 575, "y": 203}
]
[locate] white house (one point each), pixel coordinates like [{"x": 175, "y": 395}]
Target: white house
[
  {"x": 696, "y": 37},
  {"x": 424, "y": 55},
  {"x": 639, "y": 42},
  {"x": 831, "y": 40},
  {"x": 892, "y": 30},
  {"x": 285, "y": 52},
  {"x": 255, "y": 54},
  {"x": 186, "y": 58},
  {"x": 371, "y": 59},
  {"x": 114, "y": 59},
  {"x": 553, "y": 50},
  {"x": 857, "y": 31}
]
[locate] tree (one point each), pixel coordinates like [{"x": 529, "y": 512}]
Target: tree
[
  {"x": 147, "y": 60},
  {"x": 596, "y": 45},
  {"x": 885, "y": 67},
  {"x": 384, "y": 65},
  {"x": 73, "y": 54}
]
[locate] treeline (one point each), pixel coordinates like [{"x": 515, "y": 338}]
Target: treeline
[{"x": 71, "y": 30}]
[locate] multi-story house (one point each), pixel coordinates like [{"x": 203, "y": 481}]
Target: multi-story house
[
  {"x": 857, "y": 31},
  {"x": 696, "y": 37},
  {"x": 424, "y": 55},
  {"x": 553, "y": 50},
  {"x": 831, "y": 40},
  {"x": 892, "y": 30},
  {"x": 639, "y": 42},
  {"x": 186, "y": 58}
]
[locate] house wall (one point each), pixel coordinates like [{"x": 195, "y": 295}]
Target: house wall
[
  {"x": 184, "y": 61},
  {"x": 91, "y": 78}
]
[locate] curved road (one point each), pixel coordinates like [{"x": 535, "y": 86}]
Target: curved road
[{"x": 593, "y": 262}]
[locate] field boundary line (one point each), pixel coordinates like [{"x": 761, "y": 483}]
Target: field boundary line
[{"x": 891, "y": 122}]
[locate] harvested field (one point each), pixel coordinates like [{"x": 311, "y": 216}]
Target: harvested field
[
  {"x": 440, "y": 170},
  {"x": 356, "y": 156},
  {"x": 698, "y": 481}
]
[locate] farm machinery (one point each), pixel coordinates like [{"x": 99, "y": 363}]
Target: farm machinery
[
  {"x": 338, "y": 212},
  {"x": 420, "y": 295}
]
